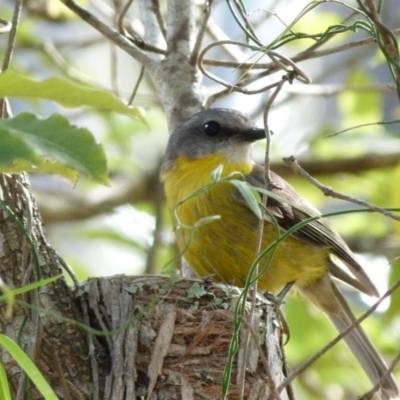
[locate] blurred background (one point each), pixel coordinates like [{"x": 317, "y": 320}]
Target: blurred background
[{"x": 124, "y": 228}]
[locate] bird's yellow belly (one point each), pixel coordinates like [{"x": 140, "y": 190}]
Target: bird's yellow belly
[{"x": 225, "y": 249}]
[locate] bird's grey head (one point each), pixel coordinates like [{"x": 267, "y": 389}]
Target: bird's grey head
[{"x": 211, "y": 131}]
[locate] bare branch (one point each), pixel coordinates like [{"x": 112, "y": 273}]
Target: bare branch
[
  {"x": 270, "y": 68},
  {"x": 280, "y": 62},
  {"x": 352, "y": 165},
  {"x": 11, "y": 36},
  {"x": 71, "y": 208},
  {"x": 328, "y": 191},
  {"x": 153, "y": 34},
  {"x": 203, "y": 27},
  {"x": 387, "y": 41},
  {"x": 334, "y": 89},
  {"x": 111, "y": 34},
  {"x": 156, "y": 9},
  {"x": 5, "y": 110},
  {"x": 180, "y": 26}
]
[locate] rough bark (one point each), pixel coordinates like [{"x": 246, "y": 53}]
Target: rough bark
[{"x": 58, "y": 348}]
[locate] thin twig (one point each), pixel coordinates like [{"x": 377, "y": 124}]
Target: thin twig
[
  {"x": 326, "y": 90},
  {"x": 141, "y": 44},
  {"x": 270, "y": 68},
  {"x": 278, "y": 60},
  {"x": 5, "y": 110},
  {"x": 303, "y": 56},
  {"x": 156, "y": 10},
  {"x": 370, "y": 394},
  {"x": 136, "y": 87},
  {"x": 239, "y": 7},
  {"x": 362, "y": 126},
  {"x": 200, "y": 34},
  {"x": 338, "y": 338},
  {"x": 111, "y": 34},
  {"x": 328, "y": 191},
  {"x": 386, "y": 40},
  {"x": 121, "y": 16},
  {"x": 11, "y": 37}
]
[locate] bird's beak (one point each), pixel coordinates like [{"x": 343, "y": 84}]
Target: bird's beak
[{"x": 254, "y": 134}]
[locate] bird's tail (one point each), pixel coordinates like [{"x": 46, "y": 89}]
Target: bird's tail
[{"x": 327, "y": 296}]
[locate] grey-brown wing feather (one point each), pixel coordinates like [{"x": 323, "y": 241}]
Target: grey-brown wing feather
[{"x": 317, "y": 232}]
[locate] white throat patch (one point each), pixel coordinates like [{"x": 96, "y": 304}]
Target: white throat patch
[{"x": 238, "y": 153}]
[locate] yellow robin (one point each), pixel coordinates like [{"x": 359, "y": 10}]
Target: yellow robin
[{"x": 225, "y": 248}]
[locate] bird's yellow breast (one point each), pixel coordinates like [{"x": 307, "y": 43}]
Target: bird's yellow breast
[{"x": 225, "y": 248}]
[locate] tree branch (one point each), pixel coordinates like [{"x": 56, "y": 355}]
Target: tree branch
[
  {"x": 180, "y": 26},
  {"x": 111, "y": 34},
  {"x": 68, "y": 207},
  {"x": 151, "y": 23}
]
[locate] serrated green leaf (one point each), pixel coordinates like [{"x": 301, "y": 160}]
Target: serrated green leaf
[
  {"x": 40, "y": 167},
  {"x": 246, "y": 191},
  {"x": 64, "y": 92},
  {"x": 51, "y": 145},
  {"x": 14, "y": 148},
  {"x": 5, "y": 393},
  {"x": 29, "y": 367}
]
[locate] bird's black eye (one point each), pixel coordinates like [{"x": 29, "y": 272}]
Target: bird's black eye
[{"x": 212, "y": 128}]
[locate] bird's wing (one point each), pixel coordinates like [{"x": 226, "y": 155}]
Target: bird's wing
[{"x": 317, "y": 232}]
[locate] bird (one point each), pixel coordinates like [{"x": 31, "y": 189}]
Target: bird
[{"x": 217, "y": 231}]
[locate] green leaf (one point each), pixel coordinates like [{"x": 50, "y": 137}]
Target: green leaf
[
  {"x": 64, "y": 92},
  {"x": 216, "y": 173},
  {"x": 206, "y": 220},
  {"x": 8, "y": 297},
  {"x": 29, "y": 367},
  {"x": 249, "y": 196},
  {"x": 42, "y": 167},
  {"x": 13, "y": 148},
  {"x": 9, "y": 294},
  {"x": 50, "y": 145},
  {"x": 31, "y": 286},
  {"x": 5, "y": 393}
]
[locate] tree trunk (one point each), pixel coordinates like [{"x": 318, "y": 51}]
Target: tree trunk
[{"x": 57, "y": 347}]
